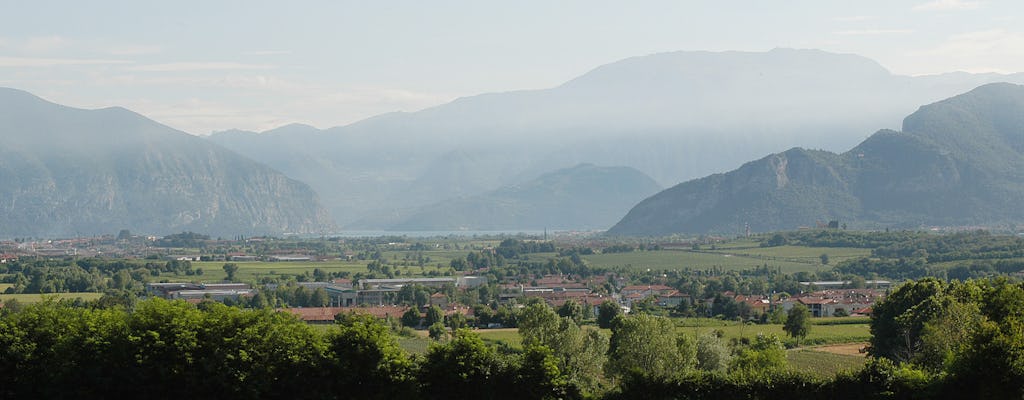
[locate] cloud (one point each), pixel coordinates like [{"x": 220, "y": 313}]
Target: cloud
[
  {"x": 266, "y": 52},
  {"x": 995, "y": 50},
  {"x": 873, "y": 32},
  {"x": 20, "y": 62},
  {"x": 946, "y": 5},
  {"x": 44, "y": 44},
  {"x": 134, "y": 50},
  {"x": 198, "y": 66},
  {"x": 856, "y": 18},
  {"x": 992, "y": 42}
]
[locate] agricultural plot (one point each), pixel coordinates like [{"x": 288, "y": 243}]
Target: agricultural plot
[
  {"x": 738, "y": 255},
  {"x": 797, "y": 254},
  {"x": 823, "y": 363},
  {"x": 694, "y": 261},
  {"x": 35, "y": 297},
  {"x": 252, "y": 271},
  {"x": 819, "y": 334}
]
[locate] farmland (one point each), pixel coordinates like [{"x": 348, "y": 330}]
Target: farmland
[{"x": 788, "y": 259}]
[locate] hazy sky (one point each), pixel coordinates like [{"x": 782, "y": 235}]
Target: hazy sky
[{"x": 202, "y": 66}]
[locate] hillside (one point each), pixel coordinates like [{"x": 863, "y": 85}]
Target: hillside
[
  {"x": 582, "y": 197},
  {"x": 68, "y": 171},
  {"x": 674, "y": 116},
  {"x": 957, "y": 162}
]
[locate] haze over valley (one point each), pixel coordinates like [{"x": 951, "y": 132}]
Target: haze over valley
[{"x": 368, "y": 118}]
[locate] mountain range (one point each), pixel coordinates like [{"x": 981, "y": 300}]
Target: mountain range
[
  {"x": 69, "y": 172},
  {"x": 956, "y": 162},
  {"x": 673, "y": 116}
]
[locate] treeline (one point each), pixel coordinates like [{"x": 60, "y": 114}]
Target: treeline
[
  {"x": 165, "y": 349},
  {"x": 930, "y": 340},
  {"x": 87, "y": 274},
  {"x": 168, "y": 349},
  {"x": 840, "y": 238}
]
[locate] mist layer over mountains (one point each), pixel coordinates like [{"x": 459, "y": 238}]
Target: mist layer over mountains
[
  {"x": 673, "y": 116},
  {"x": 576, "y": 156}
]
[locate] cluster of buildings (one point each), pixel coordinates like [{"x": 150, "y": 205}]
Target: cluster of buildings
[{"x": 197, "y": 292}]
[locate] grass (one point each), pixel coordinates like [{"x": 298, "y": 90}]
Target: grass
[
  {"x": 739, "y": 255},
  {"x": 35, "y": 298},
  {"x": 506, "y": 336},
  {"x": 822, "y": 363},
  {"x": 800, "y": 254},
  {"x": 251, "y": 271},
  {"x": 414, "y": 345},
  {"x": 819, "y": 334},
  {"x": 692, "y": 260}
]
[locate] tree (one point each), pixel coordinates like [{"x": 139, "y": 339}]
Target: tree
[
  {"x": 579, "y": 353},
  {"x": 319, "y": 298},
  {"x": 824, "y": 259},
  {"x": 434, "y": 315},
  {"x": 367, "y": 360},
  {"x": 437, "y": 331},
  {"x": 571, "y": 309},
  {"x": 411, "y": 318},
  {"x": 712, "y": 353},
  {"x": 646, "y": 344},
  {"x": 798, "y": 322},
  {"x": 897, "y": 321},
  {"x": 766, "y": 353},
  {"x": 230, "y": 269},
  {"x": 607, "y": 312}
]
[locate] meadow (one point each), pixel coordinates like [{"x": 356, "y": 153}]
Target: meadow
[
  {"x": 35, "y": 298},
  {"x": 788, "y": 259},
  {"x": 730, "y": 330},
  {"x": 252, "y": 271}
]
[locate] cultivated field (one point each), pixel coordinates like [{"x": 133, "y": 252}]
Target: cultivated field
[
  {"x": 35, "y": 298},
  {"x": 252, "y": 271}
]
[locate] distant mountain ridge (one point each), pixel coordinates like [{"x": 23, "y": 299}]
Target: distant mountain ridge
[
  {"x": 957, "y": 162},
  {"x": 582, "y": 197},
  {"x": 68, "y": 172},
  {"x": 674, "y": 116}
]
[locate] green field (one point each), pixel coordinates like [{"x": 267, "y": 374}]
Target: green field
[
  {"x": 822, "y": 363},
  {"x": 818, "y": 335},
  {"x": 254, "y": 270},
  {"x": 682, "y": 260},
  {"x": 735, "y": 256},
  {"x": 35, "y": 298},
  {"x": 800, "y": 254}
]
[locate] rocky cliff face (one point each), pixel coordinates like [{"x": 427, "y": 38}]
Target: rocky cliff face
[{"x": 68, "y": 171}]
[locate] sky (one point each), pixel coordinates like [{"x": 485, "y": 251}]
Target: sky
[{"x": 205, "y": 66}]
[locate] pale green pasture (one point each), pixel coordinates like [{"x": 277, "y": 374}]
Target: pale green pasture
[
  {"x": 35, "y": 298},
  {"x": 818, "y": 334},
  {"x": 823, "y": 364},
  {"x": 680, "y": 260},
  {"x": 254, "y": 270},
  {"x": 800, "y": 254}
]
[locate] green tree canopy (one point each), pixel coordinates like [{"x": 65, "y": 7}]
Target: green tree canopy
[{"x": 798, "y": 322}]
